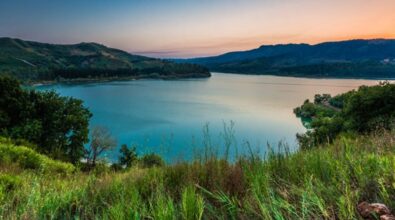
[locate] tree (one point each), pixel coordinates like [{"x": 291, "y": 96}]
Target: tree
[
  {"x": 128, "y": 156},
  {"x": 151, "y": 160},
  {"x": 64, "y": 123},
  {"x": 364, "y": 110},
  {"x": 371, "y": 108},
  {"x": 101, "y": 141},
  {"x": 319, "y": 99},
  {"x": 57, "y": 125}
]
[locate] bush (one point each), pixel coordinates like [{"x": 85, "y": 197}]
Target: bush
[
  {"x": 150, "y": 160},
  {"x": 27, "y": 158},
  {"x": 9, "y": 182},
  {"x": 101, "y": 167},
  {"x": 362, "y": 111},
  {"x": 127, "y": 156}
]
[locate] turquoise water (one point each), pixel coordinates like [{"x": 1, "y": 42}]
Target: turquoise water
[{"x": 168, "y": 117}]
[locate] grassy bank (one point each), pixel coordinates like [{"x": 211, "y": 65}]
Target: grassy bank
[{"x": 327, "y": 182}]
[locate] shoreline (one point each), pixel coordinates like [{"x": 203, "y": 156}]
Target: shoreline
[
  {"x": 307, "y": 77},
  {"x": 111, "y": 79},
  {"x": 192, "y": 76}
]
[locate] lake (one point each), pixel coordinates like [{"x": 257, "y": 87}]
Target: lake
[{"x": 178, "y": 118}]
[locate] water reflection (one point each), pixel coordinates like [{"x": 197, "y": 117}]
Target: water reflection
[{"x": 167, "y": 117}]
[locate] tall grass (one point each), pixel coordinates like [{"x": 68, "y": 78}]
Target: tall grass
[
  {"x": 323, "y": 183},
  {"x": 26, "y": 158}
]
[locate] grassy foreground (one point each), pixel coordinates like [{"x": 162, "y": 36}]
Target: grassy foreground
[{"x": 327, "y": 182}]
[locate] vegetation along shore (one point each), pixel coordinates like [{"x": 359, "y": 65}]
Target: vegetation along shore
[{"x": 346, "y": 162}]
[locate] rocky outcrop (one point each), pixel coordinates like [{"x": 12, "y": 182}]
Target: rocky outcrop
[{"x": 373, "y": 211}]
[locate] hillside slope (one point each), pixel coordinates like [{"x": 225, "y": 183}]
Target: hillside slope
[
  {"x": 354, "y": 58},
  {"x": 35, "y": 61}
]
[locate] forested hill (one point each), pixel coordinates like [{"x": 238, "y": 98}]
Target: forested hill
[
  {"x": 33, "y": 61},
  {"x": 345, "y": 59}
]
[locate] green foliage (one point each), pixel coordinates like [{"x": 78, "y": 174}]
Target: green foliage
[
  {"x": 370, "y": 108},
  {"x": 9, "y": 182},
  {"x": 151, "y": 160},
  {"x": 57, "y": 125},
  {"x": 32, "y": 61},
  {"x": 192, "y": 204},
  {"x": 127, "y": 156},
  {"x": 310, "y": 110},
  {"x": 27, "y": 158},
  {"x": 163, "y": 208},
  {"x": 324, "y": 183},
  {"x": 364, "y": 110},
  {"x": 319, "y": 99}
]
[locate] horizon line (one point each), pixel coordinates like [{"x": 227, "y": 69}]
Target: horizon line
[{"x": 151, "y": 53}]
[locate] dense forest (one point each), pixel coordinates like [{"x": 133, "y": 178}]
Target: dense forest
[
  {"x": 343, "y": 59},
  {"x": 344, "y": 169},
  {"x": 33, "y": 61}
]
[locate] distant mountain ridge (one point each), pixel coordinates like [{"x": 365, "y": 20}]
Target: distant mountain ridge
[
  {"x": 353, "y": 58},
  {"x": 34, "y": 61}
]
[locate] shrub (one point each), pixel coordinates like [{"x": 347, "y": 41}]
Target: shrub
[
  {"x": 9, "y": 182},
  {"x": 101, "y": 167},
  {"x": 27, "y": 158},
  {"x": 362, "y": 111},
  {"x": 150, "y": 160},
  {"x": 128, "y": 156}
]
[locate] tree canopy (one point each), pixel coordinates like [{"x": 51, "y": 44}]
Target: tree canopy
[
  {"x": 57, "y": 125},
  {"x": 362, "y": 111}
]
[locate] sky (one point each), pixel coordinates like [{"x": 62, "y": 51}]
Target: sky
[{"x": 194, "y": 28}]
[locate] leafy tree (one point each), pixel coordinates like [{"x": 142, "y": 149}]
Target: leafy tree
[
  {"x": 57, "y": 125},
  {"x": 101, "y": 141},
  {"x": 318, "y": 99},
  {"x": 152, "y": 159},
  {"x": 65, "y": 125},
  {"x": 13, "y": 104},
  {"x": 364, "y": 110},
  {"x": 128, "y": 156},
  {"x": 371, "y": 107}
]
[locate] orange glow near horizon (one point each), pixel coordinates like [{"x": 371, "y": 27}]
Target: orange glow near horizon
[
  {"x": 181, "y": 28},
  {"x": 282, "y": 22}
]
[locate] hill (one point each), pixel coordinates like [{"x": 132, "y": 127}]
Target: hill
[
  {"x": 344, "y": 59},
  {"x": 35, "y": 61}
]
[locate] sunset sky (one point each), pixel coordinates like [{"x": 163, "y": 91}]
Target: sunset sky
[{"x": 190, "y": 28}]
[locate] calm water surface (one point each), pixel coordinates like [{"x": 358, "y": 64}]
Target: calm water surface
[{"x": 168, "y": 117}]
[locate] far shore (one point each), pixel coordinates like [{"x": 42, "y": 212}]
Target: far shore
[
  {"x": 191, "y": 76},
  {"x": 111, "y": 79}
]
